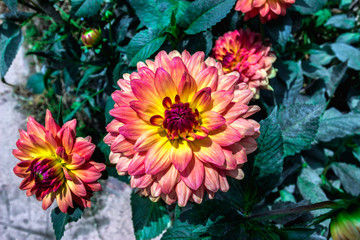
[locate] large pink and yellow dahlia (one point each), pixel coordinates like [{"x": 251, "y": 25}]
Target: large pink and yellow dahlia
[
  {"x": 243, "y": 51},
  {"x": 57, "y": 165},
  {"x": 268, "y": 9},
  {"x": 180, "y": 127}
]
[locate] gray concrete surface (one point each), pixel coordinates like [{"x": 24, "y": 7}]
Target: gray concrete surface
[{"x": 22, "y": 217}]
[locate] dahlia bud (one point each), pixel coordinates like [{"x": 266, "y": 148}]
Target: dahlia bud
[
  {"x": 91, "y": 37},
  {"x": 346, "y": 225}
]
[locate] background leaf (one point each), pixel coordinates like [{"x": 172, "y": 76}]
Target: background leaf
[
  {"x": 279, "y": 30},
  {"x": 35, "y": 83},
  {"x": 85, "y": 8},
  {"x": 299, "y": 124},
  {"x": 143, "y": 45},
  {"x": 149, "y": 218},
  {"x": 11, "y": 4},
  {"x": 334, "y": 124},
  {"x": 349, "y": 176},
  {"x": 341, "y": 21},
  {"x": 203, "y": 14},
  {"x": 269, "y": 160},
  {"x": 60, "y": 219},
  {"x": 10, "y": 41},
  {"x": 347, "y": 53},
  {"x": 309, "y": 6}
]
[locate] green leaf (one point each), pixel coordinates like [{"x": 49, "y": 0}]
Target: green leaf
[
  {"x": 11, "y": 4},
  {"x": 291, "y": 73},
  {"x": 322, "y": 16},
  {"x": 337, "y": 74},
  {"x": 341, "y": 21},
  {"x": 85, "y": 8},
  {"x": 199, "y": 42},
  {"x": 149, "y": 218},
  {"x": 156, "y": 14},
  {"x": 203, "y": 14},
  {"x": 295, "y": 233},
  {"x": 349, "y": 38},
  {"x": 347, "y": 53},
  {"x": 35, "y": 83},
  {"x": 143, "y": 45},
  {"x": 90, "y": 71},
  {"x": 349, "y": 176},
  {"x": 309, "y": 6},
  {"x": 334, "y": 124},
  {"x": 109, "y": 105},
  {"x": 345, "y": 4},
  {"x": 10, "y": 41},
  {"x": 214, "y": 218},
  {"x": 60, "y": 219},
  {"x": 309, "y": 186},
  {"x": 269, "y": 159},
  {"x": 299, "y": 124},
  {"x": 322, "y": 55},
  {"x": 279, "y": 30}
]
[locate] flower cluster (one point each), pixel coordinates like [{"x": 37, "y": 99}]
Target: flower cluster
[
  {"x": 57, "y": 165},
  {"x": 267, "y": 9},
  {"x": 244, "y": 52},
  {"x": 181, "y": 127}
]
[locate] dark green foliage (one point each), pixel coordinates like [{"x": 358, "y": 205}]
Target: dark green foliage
[
  {"x": 299, "y": 124},
  {"x": 35, "y": 83},
  {"x": 334, "y": 124},
  {"x": 60, "y": 219},
  {"x": 149, "y": 218},
  {"x": 10, "y": 40},
  {"x": 86, "y": 8},
  {"x": 269, "y": 159},
  {"x": 143, "y": 45},
  {"x": 203, "y": 14},
  {"x": 349, "y": 176}
]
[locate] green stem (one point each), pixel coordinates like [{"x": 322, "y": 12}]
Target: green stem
[{"x": 306, "y": 208}]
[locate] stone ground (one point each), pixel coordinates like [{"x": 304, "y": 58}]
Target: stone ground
[{"x": 22, "y": 217}]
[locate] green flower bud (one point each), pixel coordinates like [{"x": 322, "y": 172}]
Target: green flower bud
[
  {"x": 91, "y": 37},
  {"x": 346, "y": 225}
]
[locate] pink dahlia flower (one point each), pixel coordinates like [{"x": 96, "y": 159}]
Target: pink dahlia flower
[
  {"x": 268, "y": 9},
  {"x": 56, "y": 165},
  {"x": 244, "y": 52},
  {"x": 180, "y": 127}
]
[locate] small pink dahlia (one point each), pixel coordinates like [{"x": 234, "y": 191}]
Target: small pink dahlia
[
  {"x": 268, "y": 9},
  {"x": 55, "y": 164},
  {"x": 180, "y": 127},
  {"x": 244, "y": 52}
]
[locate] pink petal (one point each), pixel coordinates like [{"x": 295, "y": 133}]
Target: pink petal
[
  {"x": 201, "y": 100},
  {"x": 143, "y": 90},
  {"x": 209, "y": 151},
  {"x": 146, "y": 109},
  {"x": 68, "y": 140},
  {"x": 212, "y": 120},
  {"x": 196, "y": 63},
  {"x": 178, "y": 68},
  {"x": 141, "y": 181},
  {"x": 157, "y": 158},
  {"x": 136, "y": 166},
  {"x": 164, "y": 84},
  {"x": 187, "y": 87},
  {"x": 124, "y": 114},
  {"x": 84, "y": 149},
  {"x": 50, "y": 123},
  {"x": 193, "y": 175},
  {"x": 211, "y": 180},
  {"x": 225, "y": 136},
  {"x": 180, "y": 154},
  {"x": 221, "y": 99},
  {"x": 183, "y": 193},
  {"x": 167, "y": 179},
  {"x": 133, "y": 130},
  {"x": 207, "y": 78},
  {"x": 147, "y": 140}
]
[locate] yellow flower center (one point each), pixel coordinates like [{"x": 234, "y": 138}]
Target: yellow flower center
[{"x": 180, "y": 121}]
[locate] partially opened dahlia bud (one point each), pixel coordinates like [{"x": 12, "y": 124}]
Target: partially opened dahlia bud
[
  {"x": 180, "y": 127},
  {"x": 268, "y": 9},
  {"x": 243, "y": 51},
  {"x": 91, "y": 37},
  {"x": 346, "y": 225},
  {"x": 57, "y": 165}
]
